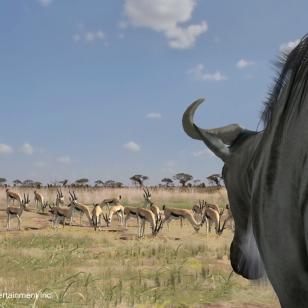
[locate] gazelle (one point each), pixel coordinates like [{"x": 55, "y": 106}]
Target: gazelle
[
  {"x": 198, "y": 208},
  {"x": 97, "y": 216},
  {"x": 10, "y": 195},
  {"x": 38, "y": 199},
  {"x": 214, "y": 217},
  {"x": 117, "y": 209},
  {"x": 83, "y": 209},
  {"x": 230, "y": 217},
  {"x": 144, "y": 215},
  {"x": 17, "y": 212},
  {"x": 62, "y": 213},
  {"x": 59, "y": 198},
  {"x": 147, "y": 200},
  {"x": 107, "y": 202},
  {"x": 130, "y": 211},
  {"x": 175, "y": 213}
]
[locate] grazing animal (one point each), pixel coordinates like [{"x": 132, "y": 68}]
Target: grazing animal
[
  {"x": 17, "y": 212},
  {"x": 97, "y": 217},
  {"x": 144, "y": 215},
  {"x": 107, "y": 202},
  {"x": 39, "y": 200},
  {"x": 175, "y": 213},
  {"x": 265, "y": 174},
  {"x": 117, "y": 209},
  {"x": 10, "y": 195},
  {"x": 230, "y": 217}
]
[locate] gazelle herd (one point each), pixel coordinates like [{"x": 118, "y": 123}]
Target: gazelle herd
[{"x": 202, "y": 213}]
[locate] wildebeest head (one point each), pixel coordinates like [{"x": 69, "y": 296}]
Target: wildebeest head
[{"x": 245, "y": 258}]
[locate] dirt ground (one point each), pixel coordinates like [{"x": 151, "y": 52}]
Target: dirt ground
[{"x": 31, "y": 221}]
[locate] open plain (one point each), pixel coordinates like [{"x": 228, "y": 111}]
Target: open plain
[{"x": 80, "y": 267}]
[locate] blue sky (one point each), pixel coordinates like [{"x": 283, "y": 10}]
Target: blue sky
[{"x": 97, "y": 89}]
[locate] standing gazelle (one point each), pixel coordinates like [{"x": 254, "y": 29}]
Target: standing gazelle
[
  {"x": 81, "y": 208},
  {"x": 62, "y": 213},
  {"x": 198, "y": 208},
  {"x": 17, "y": 212},
  {"x": 38, "y": 199},
  {"x": 10, "y": 195},
  {"x": 59, "y": 198}
]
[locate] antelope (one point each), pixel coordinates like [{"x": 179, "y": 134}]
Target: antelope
[
  {"x": 147, "y": 200},
  {"x": 59, "y": 198},
  {"x": 38, "y": 199},
  {"x": 214, "y": 217},
  {"x": 45, "y": 204},
  {"x": 197, "y": 209},
  {"x": 117, "y": 209},
  {"x": 115, "y": 201},
  {"x": 10, "y": 195},
  {"x": 174, "y": 213},
  {"x": 17, "y": 212},
  {"x": 130, "y": 211},
  {"x": 144, "y": 215},
  {"x": 83, "y": 209},
  {"x": 62, "y": 213},
  {"x": 96, "y": 217},
  {"x": 230, "y": 217}
]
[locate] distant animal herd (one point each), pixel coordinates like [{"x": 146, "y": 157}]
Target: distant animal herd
[{"x": 202, "y": 213}]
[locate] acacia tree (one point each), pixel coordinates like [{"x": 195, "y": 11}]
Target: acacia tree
[
  {"x": 99, "y": 182},
  {"x": 64, "y": 182},
  {"x": 167, "y": 181},
  {"x": 82, "y": 181},
  {"x": 17, "y": 182},
  {"x": 28, "y": 183},
  {"x": 214, "y": 178},
  {"x": 110, "y": 183},
  {"x": 2, "y": 181},
  {"x": 138, "y": 179},
  {"x": 183, "y": 178}
]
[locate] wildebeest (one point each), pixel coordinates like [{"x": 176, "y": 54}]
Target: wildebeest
[{"x": 266, "y": 176}]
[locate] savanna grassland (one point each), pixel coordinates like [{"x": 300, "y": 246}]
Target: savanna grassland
[{"x": 78, "y": 267}]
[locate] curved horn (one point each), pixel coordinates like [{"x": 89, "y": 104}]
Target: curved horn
[
  {"x": 213, "y": 138},
  {"x": 227, "y": 134}
]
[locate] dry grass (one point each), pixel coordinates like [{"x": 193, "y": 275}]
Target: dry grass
[{"x": 79, "y": 267}]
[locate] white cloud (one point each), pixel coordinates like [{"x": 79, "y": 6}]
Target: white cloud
[
  {"x": 64, "y": 159},
  {"x": 197, "y": 73},
  {"x": 132, "y": 146},
  {"x": 204, "y": 153},
  {"x": 164, "y": 16},
  {"x": 45, "y": 2},
  {"x": 5, "y": 149},
  {"x": 76, "y": 37},
  {"x": 169, "y": 166},
  {"x": 89, "y": 36},
  {"x": 40, "y": 164},
  {"x": 243, "y": 63},
  {"x": 27, "y": 149},
  {"x": 287, "y": 47},
  {"x": 154, "y": 115}
]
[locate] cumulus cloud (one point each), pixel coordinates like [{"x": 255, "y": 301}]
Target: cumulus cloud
[
  {"x": 165, "y": 16},
  {"x": 44, "y": 2},
  {"x": 27, "y": 149},
  {"x": 287, "y": 47},
  {"x": 243, "y": 63},
  {"x": 203, "y": 153},
  {"x": 5, "y": 149},
  {"x": 197, "y": 73},
  {"x": 64, "y": 159},
  {"x": 154, "y": 115},
  {"x": 132, "y": 146}
]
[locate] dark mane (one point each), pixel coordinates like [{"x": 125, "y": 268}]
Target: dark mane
[{"x": 287, "y": 68}]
